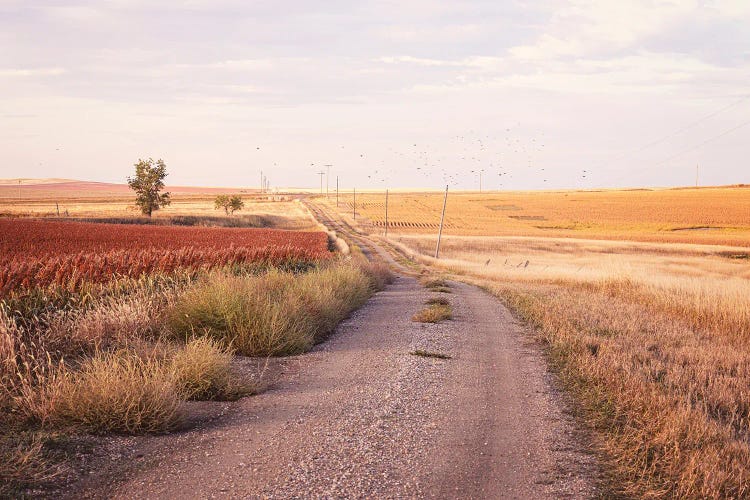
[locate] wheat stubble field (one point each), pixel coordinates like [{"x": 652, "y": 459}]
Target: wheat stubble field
[
  {"x": 717, "y": 216},
  {"x": 642, "y": 299}
]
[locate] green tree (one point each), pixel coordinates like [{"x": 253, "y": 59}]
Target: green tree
[
  {"x": 236, "y": 203},
  {"x": 147, "y": 184},
  {"x": 230, "y": 204}
]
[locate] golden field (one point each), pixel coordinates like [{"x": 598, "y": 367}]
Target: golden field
[
  {"x": 641, "y": 299},
  {"x": 650, "y": 339},
  {"x": 705, "y": 215}
]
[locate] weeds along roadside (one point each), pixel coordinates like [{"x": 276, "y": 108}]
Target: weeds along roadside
[
  {"x": 668, "y": 402},
  {"x": 657, "y": 368},
  {"x": 125, "y": 356}
]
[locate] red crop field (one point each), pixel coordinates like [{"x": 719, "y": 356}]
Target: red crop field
[{"x": 37, "y": 253}]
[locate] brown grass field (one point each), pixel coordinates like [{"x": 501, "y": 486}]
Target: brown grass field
[
  {"x": 641, "y": 299},
  {"x": 716, "y": 216}
]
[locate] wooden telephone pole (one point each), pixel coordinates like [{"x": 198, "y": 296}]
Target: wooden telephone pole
[
  {"x": 328, "y": 174},
  {"x": 442, "y": 219},
  {"x": 386, "y": 213},
  {"x": 321, "y": 174}
]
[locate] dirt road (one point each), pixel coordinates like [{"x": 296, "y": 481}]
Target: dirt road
[{"x": 360, "y": 416}]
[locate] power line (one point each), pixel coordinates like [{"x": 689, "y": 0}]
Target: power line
[
  {"x": 697, "y": 146},
  {"x": 321, "y": 174},
  {"x": 679, "y": 131},
  {"x": 691, "y": 125},
  {"x": 328, "y": 174}
]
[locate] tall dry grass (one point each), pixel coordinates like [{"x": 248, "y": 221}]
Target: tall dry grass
[
  {"x": 652, "y": 340},
  {"x": 107, "y": 358},
  {"x": 203, "y": 371},
  {"x": 275, "y": 314},
  {"x": 118, "y": 392},
  {"x": 23, "y": 463}
]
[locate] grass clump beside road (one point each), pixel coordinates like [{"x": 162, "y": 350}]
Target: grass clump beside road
[
  {"x": 437, "y": 285},
  {"x": 434, "y": 313},
  {"x": 118, "y": 392},
  {"x": 275, "y": 314},
  {"x": 203, "y": 371}
]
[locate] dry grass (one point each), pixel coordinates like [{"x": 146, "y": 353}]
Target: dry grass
[
  {"x": 107, "y": 323},
  {"x": 274, "y": 314},
  {"x": 22, "y": 463},
  {"x": 203, "y": 371},
  {"x": 652, "y": 339},
  {"x": 437, "y": 285},
  {"x": 706, "y": 215},
  {"x": 118, "y": 392},
  {"x": 434, "y": 313}
]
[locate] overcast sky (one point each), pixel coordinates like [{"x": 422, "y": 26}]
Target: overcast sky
[{"x": 414, "y": 93}]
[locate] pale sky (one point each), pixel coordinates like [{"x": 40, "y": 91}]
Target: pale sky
[{"x": 414, "y": 93}]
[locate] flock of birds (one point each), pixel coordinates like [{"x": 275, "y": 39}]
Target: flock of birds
[{"x": 471, "y": 160}]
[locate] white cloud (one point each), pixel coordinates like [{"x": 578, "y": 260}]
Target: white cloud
[
  {"x": 235, "y": 65},
  {"x": 419, "y": 61},
  {"x": 21, "y": 72},
  {"x": 582, "y": 28}
]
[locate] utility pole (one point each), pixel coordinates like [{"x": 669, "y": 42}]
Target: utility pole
[
  {"x": 442, "y": 219},
  {"x": 328, "y": 174},
  {"x": 355, "y": 204},
  {"x": 337, "y": 191},
  {"x": 386, "y": 213},
  {"x": 321, "y": 174}
]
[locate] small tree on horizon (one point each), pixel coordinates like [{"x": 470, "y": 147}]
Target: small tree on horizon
[
  {"x": 147, "y": 184},
  {"x": 230, "y": 204}
]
